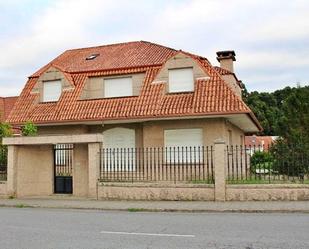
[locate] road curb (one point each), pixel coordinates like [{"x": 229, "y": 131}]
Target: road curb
[{"x": 171, "y": 210}]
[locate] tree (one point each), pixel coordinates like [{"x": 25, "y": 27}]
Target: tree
[
  {"x": 294, "y": 123},
  {"x": 283, "y": 112},
  {"x": 265, "y": 107},
  {"x": 291, "y": 151},
  {"x": 5, "y": 131}
]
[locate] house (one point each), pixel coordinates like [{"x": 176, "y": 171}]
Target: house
[
  {"x": 118, "y": 97},
  {"x": 259, "y": 143},
  {"x": 6, "y": 106}
]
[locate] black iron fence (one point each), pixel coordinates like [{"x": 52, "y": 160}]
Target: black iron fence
[
  {"x": 63, "y": 168},
  {"x": 168, "y": 164},
  {"x": 3, "y": 162},
  {"x": 278, "y": 163}
]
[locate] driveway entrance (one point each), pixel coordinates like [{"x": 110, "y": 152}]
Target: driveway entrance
[{"x": 44, "y": 165}]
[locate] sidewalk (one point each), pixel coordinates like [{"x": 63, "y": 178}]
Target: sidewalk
[{"x": 163, "y": 206}]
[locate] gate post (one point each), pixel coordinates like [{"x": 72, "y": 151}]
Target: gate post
[
  {"x": 94, "y": 168},
  {"x": 219, "y": 166},
  {"x": 12, "y": 170}
]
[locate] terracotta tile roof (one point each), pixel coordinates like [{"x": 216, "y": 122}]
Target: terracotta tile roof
[
  {"x": 259, "y": 141},
  {"x": 211, "y": 96},
  {"x": 114, "y": 56},
  {"x": 6, "y": 106},
  {"x": 222, "y": 71}
]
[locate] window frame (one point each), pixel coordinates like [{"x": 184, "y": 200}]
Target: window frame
[
  {"x": 117, "y": 78},
  {"x": 170, "y": 84},
  {"x": 196, "y": 150},
  {"x": 45, "y": 83}
]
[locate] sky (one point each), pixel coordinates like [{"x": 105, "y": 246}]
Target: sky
[{"x": 270, "y": 38}]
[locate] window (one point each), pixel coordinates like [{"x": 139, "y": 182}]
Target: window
[
  {"x": 183, "y": 145},
  {"x": 181, "y": 80},
  {"x": 119, "y": 144},
  {"x": 118, "y": 87},
  {"x": 92, "y": 57},
  {"x": 51, "y": 90}
]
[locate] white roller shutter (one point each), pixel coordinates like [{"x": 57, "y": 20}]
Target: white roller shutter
[
  {"x": 181, "y": 80},
  {"x": 118, "y": 87},
  {"x": 183, "y": 145},
  {"x": 119, "y": 143},
  {"x": 51, "y": 90}
]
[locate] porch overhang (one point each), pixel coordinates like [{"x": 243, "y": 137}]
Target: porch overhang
[{"x": 58, "y": 139}]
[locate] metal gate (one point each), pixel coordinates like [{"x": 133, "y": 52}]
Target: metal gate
[{"x": 63, "y": 161}]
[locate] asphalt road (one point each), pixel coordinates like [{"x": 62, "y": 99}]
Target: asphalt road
[{"x": 53, "y": 228}]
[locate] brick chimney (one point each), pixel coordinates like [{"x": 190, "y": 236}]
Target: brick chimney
[{"x": 226, "y": 59}]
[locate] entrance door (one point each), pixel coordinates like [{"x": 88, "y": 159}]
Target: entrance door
[
  {"x": 63, "y": 161},
  {"x": 120, "y": 145}
]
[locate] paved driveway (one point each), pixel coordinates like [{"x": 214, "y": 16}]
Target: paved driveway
[{"x": 53, "y": 228}]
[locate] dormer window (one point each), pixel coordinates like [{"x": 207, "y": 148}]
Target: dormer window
[
  {"x": 118, "y": 87},
  {"x": 180, "y": 80},
  {"x": 51, "y": 90}
]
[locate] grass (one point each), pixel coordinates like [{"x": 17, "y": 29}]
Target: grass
[
  {"x": 266, "y": 181},
  {"x": 136, "y": 210},
  {"x": 20, "y": 205}
]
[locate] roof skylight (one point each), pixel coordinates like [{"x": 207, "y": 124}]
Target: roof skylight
[{"x": 92, "y": 57}]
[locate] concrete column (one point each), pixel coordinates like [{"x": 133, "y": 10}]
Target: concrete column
[
  {"x": 219, "y": 167},
  {"x": 94, "y": 168},
  {"x": 80, "y": 170},
  {"x": 12, "y": 170}
]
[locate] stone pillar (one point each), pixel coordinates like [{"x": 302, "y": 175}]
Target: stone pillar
[
  {"x": 12, "y": 170},
  {"x": 219, "y": 167},
  {"x": 80, "y": 170},
  {"x": 94, "y": 168}
]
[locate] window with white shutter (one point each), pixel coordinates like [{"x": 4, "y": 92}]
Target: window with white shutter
[
  {"x": 180, "y": 80},
  {"x": 183, "y": 145},
  {"x": 119, "y": 143},
  {"x": 51, "y": 90},
  {"x": 118, "y": 87}
]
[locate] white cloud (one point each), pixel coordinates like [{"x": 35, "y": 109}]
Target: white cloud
[
  {"x": 62, "y": 24},
  {"x": 289, "y": 20},
  {"x": 199, "y": 26},
  {"x": 272, "y": 59}
]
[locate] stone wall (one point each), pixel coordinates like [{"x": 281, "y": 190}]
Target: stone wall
[
  {"x": 3, "y": 189},
  {"x": 34, "y": 170},
  {"x": 80, "y": 170},
  {"x": 267, "y": 192},
  {"x": 199, "y": 192},
  {"x": 155, "y": 192},
  {"x": 153, "y": 131}
]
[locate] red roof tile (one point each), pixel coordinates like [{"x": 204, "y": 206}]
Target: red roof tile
[
  {"x": 114, "y": 56},
  {"x": 259, "y": 141},
  {"x": 211, "y": 97},
  {"x": 6, "y": 106}
]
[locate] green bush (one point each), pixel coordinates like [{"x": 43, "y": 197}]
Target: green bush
[
  {"x": 29, "y": 129},
  {"x": 262, "y": 160},
  {"x": 291, "y": 158},
  {"x": 5, "y": 131}
]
